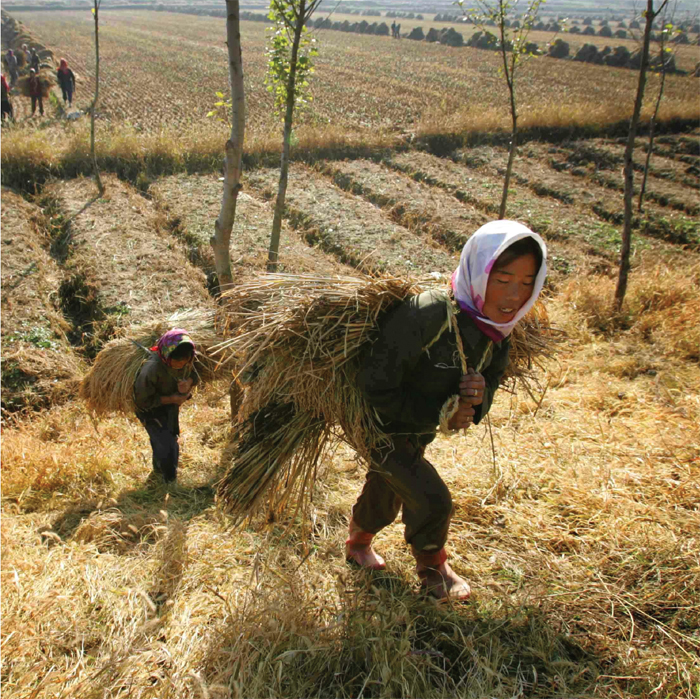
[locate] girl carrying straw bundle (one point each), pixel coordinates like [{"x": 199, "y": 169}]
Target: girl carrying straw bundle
[
  {"x": 410, "y": 376},
  {"x": 162, "y": 386}
]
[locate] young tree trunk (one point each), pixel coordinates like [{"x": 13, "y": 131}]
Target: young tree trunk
[
  {"x": 284, "y": 163},
  {"x": 628, "y": 168},
  {"x": 233, "y": 160},
  {"x": 640, "y": 203},
  {"x": 98, "y": 179},
  {"x": 511, "y": 158},
  {"x": 508, "y": 71}
]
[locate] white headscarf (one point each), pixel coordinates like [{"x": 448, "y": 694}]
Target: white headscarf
[{"x": 478, "y": 258}]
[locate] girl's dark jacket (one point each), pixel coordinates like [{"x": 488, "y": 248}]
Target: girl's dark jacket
[
  {"x": 66, "y": 80},
  {"x": 157, "y": 379},
  {"x": 408, "y": 384}
]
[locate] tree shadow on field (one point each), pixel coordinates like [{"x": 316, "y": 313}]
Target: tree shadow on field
[{"x": 375, "y": 636}]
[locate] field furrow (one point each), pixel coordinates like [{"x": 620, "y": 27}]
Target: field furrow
[
  {"x": 39, "y": 367},
  {"x": 350, "y": 228},
  {"x": 133, "y": 269},
  {"x": 414, "y": 205},
  {"x": 597, "y": 228},
  {"x": 191, "y": 204}
]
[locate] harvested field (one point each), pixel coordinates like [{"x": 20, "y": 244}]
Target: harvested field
[
  {"x": 120, "y": 268},
  {"x": 403, "y": 85},
  {"x": 348, "y": 228},
  {"x": 557, "y": 218},
  {"x": 420, "y": 208},
  {"x": 669, "y": 206},
  {"x": 576, "y": 512},
  {"x": 39, "y": 367},
  {"x": 191, "y": 204}
]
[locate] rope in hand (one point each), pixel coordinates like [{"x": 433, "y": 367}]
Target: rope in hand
[{"x": 451, "y": 405}]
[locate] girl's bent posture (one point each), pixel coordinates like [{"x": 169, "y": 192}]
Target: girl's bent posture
[
  {"x": 409, "y": 376},
  {"x": 162, "y": 386}
]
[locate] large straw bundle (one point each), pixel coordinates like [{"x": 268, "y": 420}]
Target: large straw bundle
[
  {"x": 46, "y": 80},
  {"x": 109, "y": 385},
  {"x": 299, "y": 340}
]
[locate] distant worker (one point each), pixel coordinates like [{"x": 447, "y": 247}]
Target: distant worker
[
  {"x": 66, "y": 79},
  {"x": 12, "y": 67},
  {"x": 35, "y": 92},
  {"x": 27, "y": 55},
  {"x": 6, "y": 104},
  {"x": 398, "y": 31},
  {"x": 164, "y": 383},
  {"x": 34, "y": 60},
  {"x": 393, "y": 30}
]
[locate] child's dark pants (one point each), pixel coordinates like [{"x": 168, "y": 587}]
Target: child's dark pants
[
  {"x": 163, "y": 431},
  {"x": 402, "y": 477},
  {"x": 40, "y": 101}
]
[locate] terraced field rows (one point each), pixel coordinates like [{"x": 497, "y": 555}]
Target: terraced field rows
[{"x": 347, "y": 227}]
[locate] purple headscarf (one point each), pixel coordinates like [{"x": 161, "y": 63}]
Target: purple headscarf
[{"x": 169, "y": 341}]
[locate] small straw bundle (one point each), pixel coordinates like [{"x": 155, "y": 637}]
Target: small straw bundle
[
  {"x": 108, "y": 387},
  {"x": 299, "y": 341},
  {"x": 531, "y": 343}
]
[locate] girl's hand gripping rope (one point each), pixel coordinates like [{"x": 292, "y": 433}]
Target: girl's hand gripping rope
[
  {"x": 184, "y": 386},
  {"x": 471, "y": 387},
  {"x": 463, "y": 417}
]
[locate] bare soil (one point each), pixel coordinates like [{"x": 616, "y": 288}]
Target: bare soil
[
  {"x": 418, "y": 207},
  {"x": 138, "y": 271}
]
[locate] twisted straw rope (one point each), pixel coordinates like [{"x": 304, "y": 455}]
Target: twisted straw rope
[{"x": 451, "y": 405}]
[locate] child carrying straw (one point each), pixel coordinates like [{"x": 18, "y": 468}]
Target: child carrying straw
[
  {"x": 161, "y": 387},
  {"x": 409, "y": 376}
]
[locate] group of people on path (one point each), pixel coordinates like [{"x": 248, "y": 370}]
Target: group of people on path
[
  {"x": 64, "y": 75},
  {"x": 408, "y": 375}
]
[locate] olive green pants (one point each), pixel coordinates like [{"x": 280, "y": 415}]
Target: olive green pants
[{"x": 401, "y": 478}]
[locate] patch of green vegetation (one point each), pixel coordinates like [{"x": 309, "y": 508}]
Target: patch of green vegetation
[
  {"x": 607, "y": 239},
  {"x": 542, "y": 224},
  {"x": 13, "y": 378},
  {"x": 57, "y": 227},
  {"x": 683, "y": 231},
  {"x": 119, "y": 310},
  {"x": 37, "y": 335},
  {"x": 559, "y": 264}
]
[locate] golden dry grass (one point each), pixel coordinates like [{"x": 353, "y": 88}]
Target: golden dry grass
[
  {"x": 580, "y": 540},
  {"x": 403, "y": 89},
  {"x": 39, "y": 367}
]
